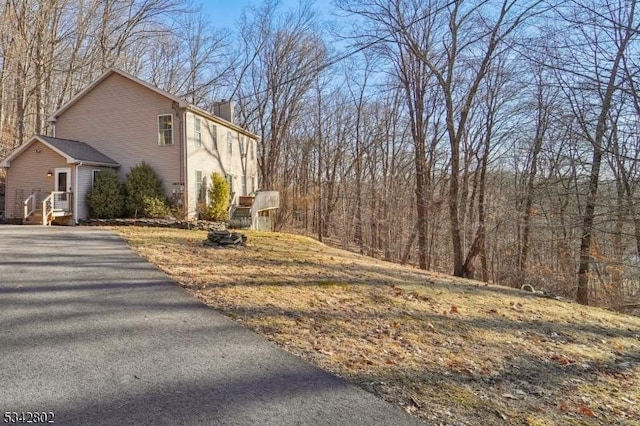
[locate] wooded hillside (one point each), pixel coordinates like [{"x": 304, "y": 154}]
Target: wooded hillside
[{"x": 491, "y": 139}]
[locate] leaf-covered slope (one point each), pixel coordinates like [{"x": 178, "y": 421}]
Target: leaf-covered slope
[{"x": 449, "y": 351}]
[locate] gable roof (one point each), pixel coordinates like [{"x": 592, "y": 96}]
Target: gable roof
[
  {"x": 181, "y": 102},
  {"x": 73, "y": 151}
]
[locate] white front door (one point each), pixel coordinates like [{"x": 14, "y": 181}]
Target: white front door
[{"x": 62, "y": 183}]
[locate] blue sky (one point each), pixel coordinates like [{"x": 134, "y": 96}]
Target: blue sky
[
  {"x": 227, "y": 12},
  {"x": 229, "y": 9}
]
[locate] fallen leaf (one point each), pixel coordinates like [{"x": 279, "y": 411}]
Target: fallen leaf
[
  {"x": 586, "y": 411},
  {"x": 453, "y": 309},
  {"x": 562, "y": 359}
]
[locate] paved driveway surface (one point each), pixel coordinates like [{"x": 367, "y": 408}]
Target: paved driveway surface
[{"x": 95, "y": 334}]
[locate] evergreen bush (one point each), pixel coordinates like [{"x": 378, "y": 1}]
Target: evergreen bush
[
  {"x": 107, "y": 198},
  {"x": 145, "y": 194},
  {"x": 156, "y": 207},
  {"x": 219, "y": 191}
]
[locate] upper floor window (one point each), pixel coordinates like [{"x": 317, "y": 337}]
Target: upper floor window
[
  {"x": 165, "y": 129},
  {"x": 241, "y": 143},
  {"x": 214, "y": 136},
  {"x": 197, "y": 132},
  {"x": 252, "y": 147},
  {"x": 229, "y": 143}
]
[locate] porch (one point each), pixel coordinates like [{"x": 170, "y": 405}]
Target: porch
[
  {"x": 46, "y": 208},
  {"x": 254, "y": 212}
]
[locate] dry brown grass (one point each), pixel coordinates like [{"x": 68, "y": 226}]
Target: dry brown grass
[{"x": 449, "y": 351}]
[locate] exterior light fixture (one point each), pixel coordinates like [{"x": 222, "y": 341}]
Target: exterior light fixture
[{"x": 49, "y": 173}]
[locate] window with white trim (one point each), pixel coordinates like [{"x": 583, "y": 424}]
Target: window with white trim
[
  {"x": 244, "y": 185},
  {"x": 229, "y": 143},
  {"x": 230, "y": 181},
  {"x": 165, "y": 129},
  {"x": 197, "y": 132},
  {"x": 214, "y": 136},
  {"x": 94, "y": 174},
  {"x": 201, "y": 187},
  {"x": 252, "y": 147},
  {"x": 241, "y": 144}
]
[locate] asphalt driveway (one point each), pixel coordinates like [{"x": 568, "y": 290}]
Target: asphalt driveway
[{"x": 94, "y": 334}]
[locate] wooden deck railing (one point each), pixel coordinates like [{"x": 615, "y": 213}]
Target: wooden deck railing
[
  {"x": 57, "y": 203},
  {"x": 266, "y": 200},
  {"x": 30, "y": 205},
  {"x": 263, "y": 202}
]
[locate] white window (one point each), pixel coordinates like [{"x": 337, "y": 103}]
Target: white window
[
  {"x": 229, "y": 143},
  {"x": 165, "y": 129},
  {"x": 201, "y": 187},
  {"x": 252, "y": 147},
  {"x": 253, "y": 184},
  {"x": 241, "y": 143},
  {"x": 94, "y": 174},
  {"x": 214, "y": 136},
  {"x": 197, "y": 132},
  {"x": 230, "y": 180},
  {"x": 244, "y": 185}
]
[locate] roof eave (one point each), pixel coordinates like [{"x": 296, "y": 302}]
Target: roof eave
[
  {"x": 221, "y": 120},
  {"x": 6, "y": 163},
  {"x": 97, "y": 164},
  {"x": 53, "y": 118}
]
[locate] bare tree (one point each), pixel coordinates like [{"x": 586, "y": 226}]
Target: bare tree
[
  {"x": 590, "y": 75},
  {"x": 434, "y": 40},
  {"x": 284, "y": 56}
]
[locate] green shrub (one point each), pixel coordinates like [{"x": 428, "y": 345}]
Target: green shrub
[
  {"x": 218, "y": 208},
  {"x": 106, "y": 199},
  {"x": 156, "y": 207},
  {"x": 145, "y": 195}
]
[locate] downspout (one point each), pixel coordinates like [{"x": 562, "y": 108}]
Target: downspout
[
  {"x": 75, "y": 192},
  {"x": 181, "y": 116},
  {"x": 184, "y": 163}
]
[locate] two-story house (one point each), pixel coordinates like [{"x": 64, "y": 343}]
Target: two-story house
[{"x": 117, "y": 122}]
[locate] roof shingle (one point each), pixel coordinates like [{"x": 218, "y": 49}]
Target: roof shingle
[{"x": 79, "y": 151}]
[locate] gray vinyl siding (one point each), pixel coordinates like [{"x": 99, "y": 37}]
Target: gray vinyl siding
[
  {"x": 85, "y": 183},
  {"x": 120, "y": 119}
]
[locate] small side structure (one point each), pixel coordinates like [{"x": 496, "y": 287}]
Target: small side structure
[
  {"x": 255, "y": 212},
  {"x": 49, "y": 179}
]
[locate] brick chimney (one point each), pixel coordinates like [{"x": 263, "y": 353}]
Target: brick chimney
[{"x": 224, "y": 110}]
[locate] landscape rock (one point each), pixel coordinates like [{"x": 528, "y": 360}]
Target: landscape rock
[
  {"x": 222, "y": 238},
  {"x": 199, "y": 225}
]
